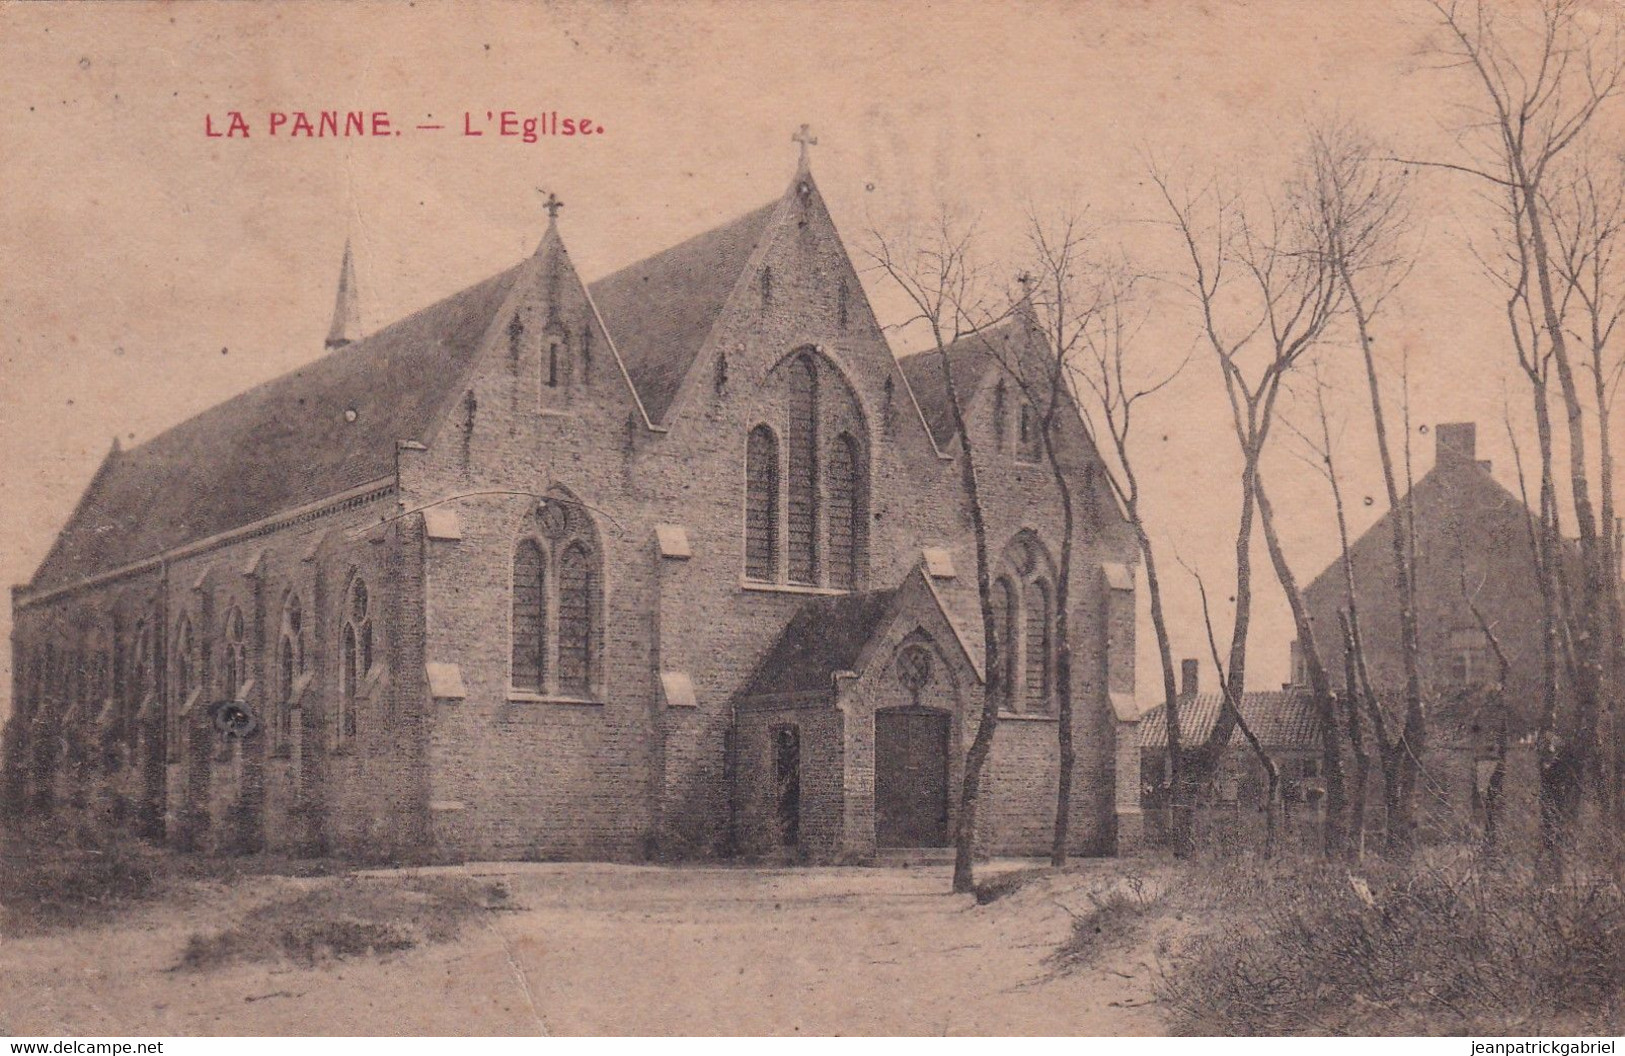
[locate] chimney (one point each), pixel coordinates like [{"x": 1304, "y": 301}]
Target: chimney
[
  {"x": 1457, "y": 442},
  {"x": 1188, "y": 677}
]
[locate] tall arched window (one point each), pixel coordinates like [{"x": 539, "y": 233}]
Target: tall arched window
[
  {"x": 803, "y": 470},
  {"x": 143, "y": 681},
  {"x": 761, "y": 504},
  {"x": 819, "y": 519},
  {"x": 845, "y": 512},
  {"x": 1037, "y": 668},
  {"x": 1026, "y": 604},
  {"x": 234, "y": 656},
  {"x": 529, "y": 617},
  {"x": 185, "y": 682},
  {"x": 355, "y": 657},
  {"x": 557, "y": 628},
  {"x": 575, "y": 620},
  {"x": 1005, "y": 614},
  {"x": 290, "y": 665}
]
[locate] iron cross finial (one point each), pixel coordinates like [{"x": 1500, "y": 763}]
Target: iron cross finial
[
  {"x": 1024, "y": 279},
  {"x": 552, "y": 205},
  {"x": 804, "y": 136}
]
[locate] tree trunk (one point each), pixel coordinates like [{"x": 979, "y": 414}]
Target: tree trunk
[
  {"x": 1319, "y": 684},
  {"x": 1181, "y": 792},
  {"x": 982, "y": 744},
  {"x": 1063, "y": 648}
]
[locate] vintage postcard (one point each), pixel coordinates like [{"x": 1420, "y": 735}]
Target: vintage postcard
[{"x": 914, "y": 518}]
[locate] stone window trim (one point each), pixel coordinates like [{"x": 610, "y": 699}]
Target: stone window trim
[
  {"x": 525, "y": 696},
  {"x": 756, "y": 586}
]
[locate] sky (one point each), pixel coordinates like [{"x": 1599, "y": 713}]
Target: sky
[{"x": 152, "y": 271}]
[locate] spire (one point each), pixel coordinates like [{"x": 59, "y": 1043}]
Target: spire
[
  {"x": 1023, "y": 309},
  {"x": 346, "y": 315}
]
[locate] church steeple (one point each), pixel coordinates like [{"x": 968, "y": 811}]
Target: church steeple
[{"x": 346, "y": 326}]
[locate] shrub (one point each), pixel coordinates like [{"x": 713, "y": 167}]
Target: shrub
[
  {"x": 1462, "y": 947},
  {"x": 1117, "y": 915},
  {"x": 53, "y": 880}
]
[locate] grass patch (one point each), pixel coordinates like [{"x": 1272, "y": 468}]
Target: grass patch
[
  {"x": 46, "y": 884},
  {"x": 349, "y": 917},
  {"x": 1464, "y": 947}
]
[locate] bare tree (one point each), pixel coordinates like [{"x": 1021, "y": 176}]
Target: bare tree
[
  {"x": 1361, "y": 206},
  {"x": 950, "y": 297},
  {"x": 1542, "y": 73},
  {"x": 1092, "y": 313},
  {"x": 1587, "y": 212},
  {"x": 1087, "y": 312},
  {"x": 1266, "y": 293}
]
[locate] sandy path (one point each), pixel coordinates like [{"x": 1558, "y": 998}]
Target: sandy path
[{"x": 610, "y": 949}]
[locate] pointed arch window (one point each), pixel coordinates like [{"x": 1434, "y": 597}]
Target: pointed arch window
[
  {"x": 1005, "y": 614},
  {"x": 1038, "y": 648},
  {"x": 290, "y": 666},
  {"x": 803, "y": 472},
  {"x": 761, "y": 505},
  {"x": 1029, "y": 440},
  {"x": 575, "y": 620},
  {"x": 818, "y": 519},
  {"x": 557, "y": 628},
  {"x": 186, "y": 682},
  {"x": 845, "y": 512},
  {"x": 1025, "y": 606},
  {"x": 529, "y": 617},
  {"x": 355, "y": 658},
  {"x": 234, "y": 656}
]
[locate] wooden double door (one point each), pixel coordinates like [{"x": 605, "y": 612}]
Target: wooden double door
[{"x": 911, "y": 777}]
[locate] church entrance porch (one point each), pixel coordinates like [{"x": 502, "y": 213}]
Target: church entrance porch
[{"x": 911, "y": 777}]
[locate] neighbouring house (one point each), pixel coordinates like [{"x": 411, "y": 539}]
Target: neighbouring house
[
  {"x": 1473, "y": 560},
  {"x": 672, "y": 563}
]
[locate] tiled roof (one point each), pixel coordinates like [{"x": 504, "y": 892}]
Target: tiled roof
[
  {"x": 1282, "y": 720},
  {"x": 293, "y": 440},
  {"x": 322, "y": 429},
  {"x": 825, "y": 635},
  {"x": 660, "y": 310},
  {"x": 969, "y": 358}
]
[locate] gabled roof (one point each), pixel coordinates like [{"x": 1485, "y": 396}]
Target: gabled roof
[
  {"x": 290, "y": 441},
  {"x": 970, "y": 358},
  {"x": 825, "y": 635},
  {"x": 280, "y": 445},
  {"x": 660, "y": 310},
  {"x": 1282, "y": 721}
]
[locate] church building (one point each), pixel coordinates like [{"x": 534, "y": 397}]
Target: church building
[{"x": 673, "y": 564}]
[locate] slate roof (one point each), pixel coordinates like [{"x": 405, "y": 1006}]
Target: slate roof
[
  {"x": 969, "y": 358},
  {"x": 279, "y": 445},
  {"x": 660, "y": 310},
  {"x": 1282, "y": 721},
  {"x": 289, "y": 442},
  {"x": 825, "y": 635}
]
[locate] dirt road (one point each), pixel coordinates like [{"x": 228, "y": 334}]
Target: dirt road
[{"x": 613, "y": 949}]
